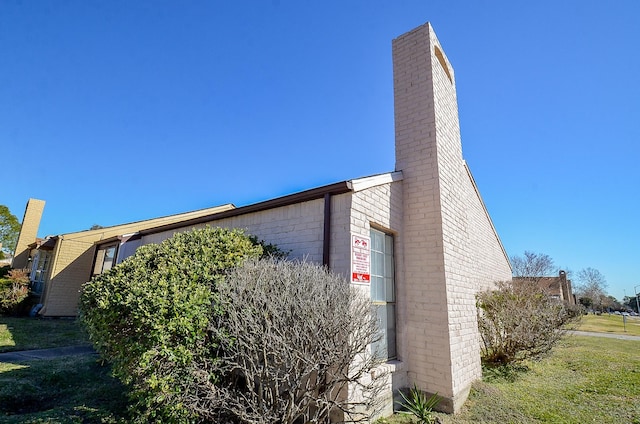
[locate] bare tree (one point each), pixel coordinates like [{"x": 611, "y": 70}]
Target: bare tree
[
  {"x": 298, "y": 351},
  {"x": 592, "y": 287},
  {"x": 532, "y": 265}
]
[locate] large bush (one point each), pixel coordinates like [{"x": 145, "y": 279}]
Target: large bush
[
  {"x": 299, "y": 343},
  {"x": 519, "y": 321},
  {"x": 150, "y": 315}
]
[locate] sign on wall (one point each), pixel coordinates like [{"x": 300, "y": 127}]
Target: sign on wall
[{"x": 360, "y": 259}]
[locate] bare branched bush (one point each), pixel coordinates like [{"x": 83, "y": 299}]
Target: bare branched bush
[
  {"x": 519, "y": 321},
  {"x": 295, "y": 348}
]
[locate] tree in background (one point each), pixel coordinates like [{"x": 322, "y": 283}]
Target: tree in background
[
  {"x": 532, "y": 265},
  {"x": 631, "y": 302},
  {"x": 591, "y": 289},
  {"x": 9, "y": 230}
]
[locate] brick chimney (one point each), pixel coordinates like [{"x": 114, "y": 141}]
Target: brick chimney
[
  {"x": 451, "y": 249},
  {"x": 28, "y": 232}
]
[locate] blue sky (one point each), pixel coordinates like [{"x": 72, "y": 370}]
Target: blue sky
[{"x": 116, "y": 111}]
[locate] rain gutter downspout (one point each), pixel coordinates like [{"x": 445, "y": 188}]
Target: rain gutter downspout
[{"x": 326, "y": 241}]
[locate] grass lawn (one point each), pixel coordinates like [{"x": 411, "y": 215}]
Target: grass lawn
[
  {"x": 32, "y": 333},
  {"x": 585, "y": 380},
  {"x": 76, "y": 389},
  {"x": 610, "y": 324}
]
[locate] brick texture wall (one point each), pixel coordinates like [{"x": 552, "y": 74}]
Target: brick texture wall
[
  {"x": 28, "y": 232},
  {"x": 450, "y": 247},
  {"x": 296, "y": 228},
  {"x": 73, "y": 256}
]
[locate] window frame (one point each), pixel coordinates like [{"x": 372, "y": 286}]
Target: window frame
[
  {"x": 99, "y": 262},
  {"x": 389, "y": 299}
]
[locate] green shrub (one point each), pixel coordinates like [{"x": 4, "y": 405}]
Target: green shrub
[
  {"x": 149, "y": 316},
  {"x": 14, "y": 290}
]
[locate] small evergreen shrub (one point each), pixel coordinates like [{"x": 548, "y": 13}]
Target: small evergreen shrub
[
  {"x": 14, "y": 290},
  {"x": 149, "y": 316}
]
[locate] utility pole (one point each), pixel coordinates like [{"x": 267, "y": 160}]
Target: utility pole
[{"x": 637, "y": 304}]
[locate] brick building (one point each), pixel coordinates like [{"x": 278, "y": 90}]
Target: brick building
[
  {"x": 559, "y": 287},
  {"x": 60, "y": 264},
  {"x": 430, "y": 243}
]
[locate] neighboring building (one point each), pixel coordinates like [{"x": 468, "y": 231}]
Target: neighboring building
[
  {"x": 419, "y": 239},
  {"x": 61, "y": 264},
  {"x": 556, "y": 287}
]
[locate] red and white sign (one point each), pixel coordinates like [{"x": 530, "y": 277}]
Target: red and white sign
[{"x": 360, "y": 259}]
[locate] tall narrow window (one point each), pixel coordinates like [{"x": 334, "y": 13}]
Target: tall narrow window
[
  {"x": 39, "y": 271},
  {"x": 383, "y": 292}
]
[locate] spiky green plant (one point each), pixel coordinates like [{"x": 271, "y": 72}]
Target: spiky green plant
[{"x": 418, "y": 404}]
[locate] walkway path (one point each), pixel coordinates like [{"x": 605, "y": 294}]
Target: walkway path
[
  {"x": 607, "y": 335},
  {"x": 30, "y": 355}
]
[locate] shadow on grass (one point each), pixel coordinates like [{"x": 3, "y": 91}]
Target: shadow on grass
[
  {"x": 33, "y": 333},
  {"x": 65, "y": 390},
  {"x": 495, "y": 373}
]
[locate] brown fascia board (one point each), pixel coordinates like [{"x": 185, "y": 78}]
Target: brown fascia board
[
  {"x": 114, "y": 239},
  {"x": 44, "y": 244},
  {"x": 303, "y": 196}
]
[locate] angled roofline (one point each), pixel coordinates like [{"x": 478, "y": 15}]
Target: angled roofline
[
  {"x": 89, "y": 232},
  {"x": 303, "y": 196},
  {"x": 486, "y": 212},
  {"x": 341, "y": 187}
]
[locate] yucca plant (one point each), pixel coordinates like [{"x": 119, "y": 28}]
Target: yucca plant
[{"x": 418, "y": 404}]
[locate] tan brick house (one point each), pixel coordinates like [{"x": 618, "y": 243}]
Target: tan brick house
[
  {"x": 418, "y": 238},
  {"x": 61, "y": 264}
]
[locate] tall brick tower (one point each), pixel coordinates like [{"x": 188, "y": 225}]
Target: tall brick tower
[
  {"x": 28, "y": 232},
  {"x": 450, "y": 247}
]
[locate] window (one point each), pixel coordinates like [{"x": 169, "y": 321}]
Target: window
[
  {"x": 383, "y": 291},
  {"x": 105, "y": 258},
  {"x": 39, "y": 270}
]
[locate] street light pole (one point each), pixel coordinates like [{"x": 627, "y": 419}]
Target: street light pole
[{"x": 637, "y": 304}]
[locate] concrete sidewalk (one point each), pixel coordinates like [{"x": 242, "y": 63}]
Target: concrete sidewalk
[
  {"x": 39, "y": 354},
  {"x": 607, "y": 335}
]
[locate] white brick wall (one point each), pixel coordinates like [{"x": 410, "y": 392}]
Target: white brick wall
[
  {"x": 297, "y": 228},
  {"x": 446, "y": 248},
  {"x": 451, "y": 250}
]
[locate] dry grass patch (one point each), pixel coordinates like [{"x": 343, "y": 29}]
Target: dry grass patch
[
  {"x": 610, "y": 323},
  {"x": 585, "y": 379}
]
